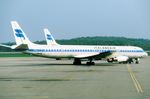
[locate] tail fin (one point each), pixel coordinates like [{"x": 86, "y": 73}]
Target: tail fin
[
  {"x": 20, "y": 36},
  {"x": 49, "y": 38}
]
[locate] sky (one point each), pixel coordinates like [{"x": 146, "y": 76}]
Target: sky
[{"x": 68, "y": 19}]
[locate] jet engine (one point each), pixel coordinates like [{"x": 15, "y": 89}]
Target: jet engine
[{"x": 118, "y": 59}]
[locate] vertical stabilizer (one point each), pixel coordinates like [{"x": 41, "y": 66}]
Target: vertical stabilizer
[
  {"x": 19, "y": 34},
  {"x": 49, "y": 38}
]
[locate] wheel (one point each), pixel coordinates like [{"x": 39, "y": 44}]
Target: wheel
[
  {"x": 130, "y": 60},
  {"x": 77, "y": 61},
  {"x": 58, "y": 58},
  {"x": 93, "y": 63},
  {"x": 137, "y": 62},
  {"x": 110, "y": 60},
  {"x": 90, "y": 63}
]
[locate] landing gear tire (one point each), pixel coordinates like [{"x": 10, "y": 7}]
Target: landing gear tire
[
  {"x": 90, "y": 63},
  {"x": 136, "y": 61},
  {"x": 77, "y": 61},
  {"x": 110, "y": 60},
  {"x": 130, "y": 61}
]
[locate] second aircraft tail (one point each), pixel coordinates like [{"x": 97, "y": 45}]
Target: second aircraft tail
[{"x": 49, "y": 38}]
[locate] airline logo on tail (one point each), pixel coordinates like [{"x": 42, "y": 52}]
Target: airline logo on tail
[
  {"x": 19, "y": 33},
  {"x": 49, "y": 37}
]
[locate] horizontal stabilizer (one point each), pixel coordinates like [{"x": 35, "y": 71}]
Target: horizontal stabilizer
[
  {"x": 6, "y": 46},
  {"x": 21, "y": 47}
]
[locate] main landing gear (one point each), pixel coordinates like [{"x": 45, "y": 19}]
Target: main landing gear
[
  {"x": 77, "y": 61},
  {"x": 90, "y": 62}
]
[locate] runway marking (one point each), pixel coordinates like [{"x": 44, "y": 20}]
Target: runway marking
[{"x": 134, "y": 79}]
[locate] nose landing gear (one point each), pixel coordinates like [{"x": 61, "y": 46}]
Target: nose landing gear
[{"x": 137, "y": 60}]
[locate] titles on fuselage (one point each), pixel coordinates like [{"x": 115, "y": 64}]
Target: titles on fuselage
[{"x": 105, "y": 47}]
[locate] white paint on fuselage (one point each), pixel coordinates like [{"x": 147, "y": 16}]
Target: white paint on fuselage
[{"x": 79, "y": 51}]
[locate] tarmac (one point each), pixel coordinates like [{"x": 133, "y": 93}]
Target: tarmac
[{"x": 42, "y": 78}]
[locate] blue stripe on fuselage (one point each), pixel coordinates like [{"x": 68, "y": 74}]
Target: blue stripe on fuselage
[{"x": 74, "y": 50}]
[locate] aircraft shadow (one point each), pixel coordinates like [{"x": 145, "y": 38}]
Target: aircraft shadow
[{"x": 56, "y": 64}]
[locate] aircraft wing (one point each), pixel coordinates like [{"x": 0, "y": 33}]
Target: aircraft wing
[
  {"x": 96, "y": 56},
  {"x": 21, "y": 47}
]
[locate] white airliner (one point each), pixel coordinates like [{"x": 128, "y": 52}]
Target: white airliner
[{"x": 125, "y": 54}]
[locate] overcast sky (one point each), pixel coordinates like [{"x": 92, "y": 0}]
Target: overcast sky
[{"x": 76, "y": 18}]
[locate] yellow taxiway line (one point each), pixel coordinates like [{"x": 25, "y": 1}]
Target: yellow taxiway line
[{"x": 134, "y": 79}]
